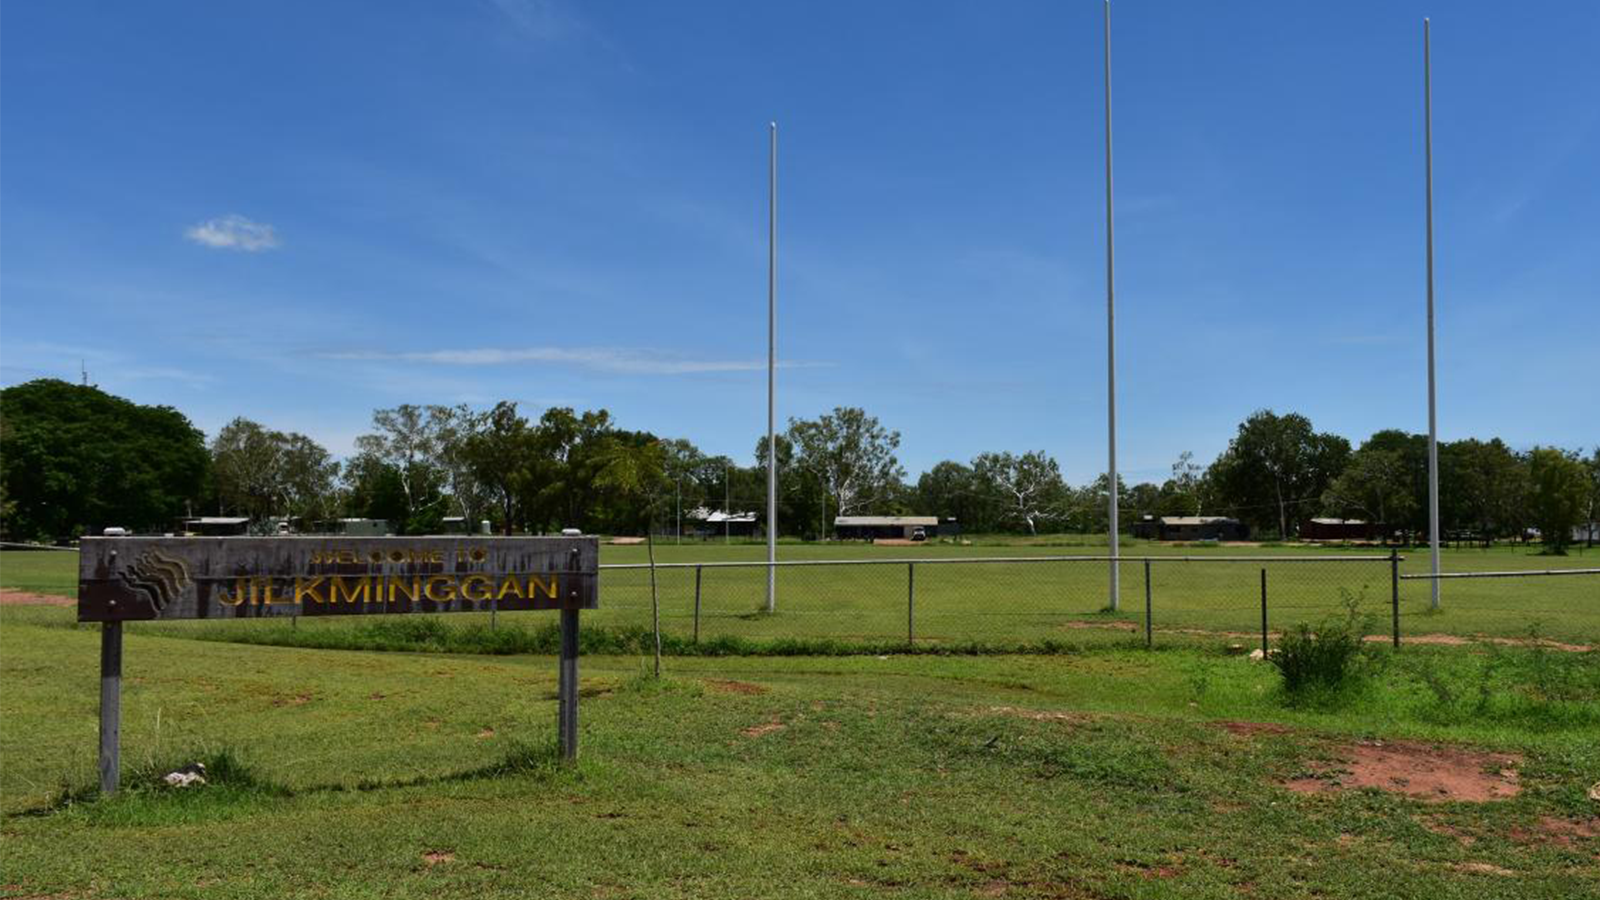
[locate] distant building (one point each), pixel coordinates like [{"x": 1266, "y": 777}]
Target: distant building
[
  {"x": 214, "y": 526},
  {"x": 1191, "y": 528},
  {"x": 710, "y": 523},
  {"x": 1339, "y": 530},
  {"x": 359, "y": 527},
  {"x": 890, "y": 527}
]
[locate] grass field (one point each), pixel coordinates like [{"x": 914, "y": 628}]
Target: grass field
[
  {"x": 1101, "y": 774},
  {"x": 1027, "y": 603}
]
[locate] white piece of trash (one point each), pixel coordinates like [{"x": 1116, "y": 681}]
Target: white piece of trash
[{"x": 188, "y": 776}]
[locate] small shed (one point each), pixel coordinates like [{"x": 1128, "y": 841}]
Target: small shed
[
  {"x": 887, "y": 527},
  {"x": 1191, "y": 528},
  {"x": 1326, "y": 529}
]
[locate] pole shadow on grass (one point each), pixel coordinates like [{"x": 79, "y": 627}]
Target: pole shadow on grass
[{"x": 232, "y": 784}]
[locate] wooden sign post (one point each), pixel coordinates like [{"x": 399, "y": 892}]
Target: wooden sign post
[{"x": 124, "y": 579}]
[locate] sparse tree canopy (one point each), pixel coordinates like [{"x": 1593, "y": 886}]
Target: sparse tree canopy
[
  {"x": 851, "y": 454},
  {"x": 259, "y": 472},
  {"x": 1027, "y": 487}
]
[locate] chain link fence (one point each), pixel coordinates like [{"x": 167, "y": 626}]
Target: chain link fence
[
  {"x": 1560, "y": 605},
  {"x": 1008, "y": 601}
]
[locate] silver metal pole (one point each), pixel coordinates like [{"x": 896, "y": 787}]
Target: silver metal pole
[
  {"x": 727, "y": 504},
  {"x": 772, "y": 366},
  {"x": 1433, "y": 418},
  {"x": 678, "y": 505},
  {"x": 1111, "y": 341}
]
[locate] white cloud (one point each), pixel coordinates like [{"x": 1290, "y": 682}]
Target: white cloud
[
  {"x": 601, "y": 359},
  {"x": 234, "y": 232}
]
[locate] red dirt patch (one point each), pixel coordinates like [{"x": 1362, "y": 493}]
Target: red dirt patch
[
  {"x": 435, "y": 857},
  {"x": 1558, "y": 831},
  {"x": 10, "y": 597},
  {"x": 765, "y": 728},
  {"x": 1427, "y": 772},
  {"x": 734, "y": 687},
  {"x": 1250, "y": 729}
]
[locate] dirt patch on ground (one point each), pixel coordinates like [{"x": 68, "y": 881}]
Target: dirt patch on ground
[
  {"x": 734, "y": 687},
  {"x": 1251, "y": 729},
  {"x": 1482, "y": 868},
  {"x": 1041, "y": 715},
  {"x": 435, "y": 857},
  {"x": 9, "y": 597},
  {"x": 625, "y": 541},
  {"x": 1558, "y": 831},
  {"x": 765, "y": 728},
  {"x": 1425, "y": 771},
  {"x": 896, "y": 542},
  {"x": 1456, "y": 640},
  {"x": 1114, "y": 626}
]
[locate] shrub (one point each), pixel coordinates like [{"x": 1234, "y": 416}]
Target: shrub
[{"x": 1327, "y": 658}]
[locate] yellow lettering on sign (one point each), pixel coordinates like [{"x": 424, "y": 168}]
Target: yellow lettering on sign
[
  {"x": 307, "y": 588},
  {"x": 434, "y": 583},
  {"x": 537, "y": 583},
  {"x": 412, "y": 591},
  {"x": 238, "y": 593},
  {"x": 483, "y": 583},
  {"x": 354, "y": 593},
  {"x": 510, "y": 587}
]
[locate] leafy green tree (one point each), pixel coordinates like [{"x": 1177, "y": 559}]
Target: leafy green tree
[
  {"x": 7, "y": 508},
  {"x": 1376, "y": 486},
  {"x": 1560, "y": 493},
  {"x": 409, "y": 440},
  {"x": 1275, "y": 467},
  {"x": 499, "y": 456},
  {"x": 259, "y": 472},
  {"x": 1484, "y": 485},
  {"x": 75, "y": 459},
  {"x": 1026, "y": 489},
  {"x": 951, "y": 490},
  {"x": 851, "y": 454},
  {"x": 801, "y": 498},
  {"x": 567, "y": 450},
  {"x": 1411, "y": 451}
]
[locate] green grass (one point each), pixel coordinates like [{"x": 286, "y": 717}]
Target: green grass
[
  {"x": 1095, "y": 774},
  {"x": 1008, "y": 605}
]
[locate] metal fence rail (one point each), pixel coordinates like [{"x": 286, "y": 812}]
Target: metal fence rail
[{"x": 1004, "y": 600}]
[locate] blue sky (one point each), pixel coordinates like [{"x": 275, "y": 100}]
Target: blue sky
[{"x": 299, "y": 212}]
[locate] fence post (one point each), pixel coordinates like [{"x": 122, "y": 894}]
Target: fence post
[
  {"x": 110, "y": 706},
  {"x": 697, "y": 604},
  {"x": 1263, "y": 611},
  {"x": 1394, "y": 592},
  {"x": 1149, "y": 632},
  {"x": 911, "y": 603},
  {"x": 492, "y": 623}
]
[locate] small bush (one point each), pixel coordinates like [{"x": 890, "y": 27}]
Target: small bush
[{"x": 1322, "y": 660}]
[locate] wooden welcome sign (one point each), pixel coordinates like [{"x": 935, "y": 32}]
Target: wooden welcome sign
[{"x": 122, "y": 579}]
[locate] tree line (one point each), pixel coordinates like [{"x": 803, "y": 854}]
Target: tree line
[{"x": 74, "y": 459}]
